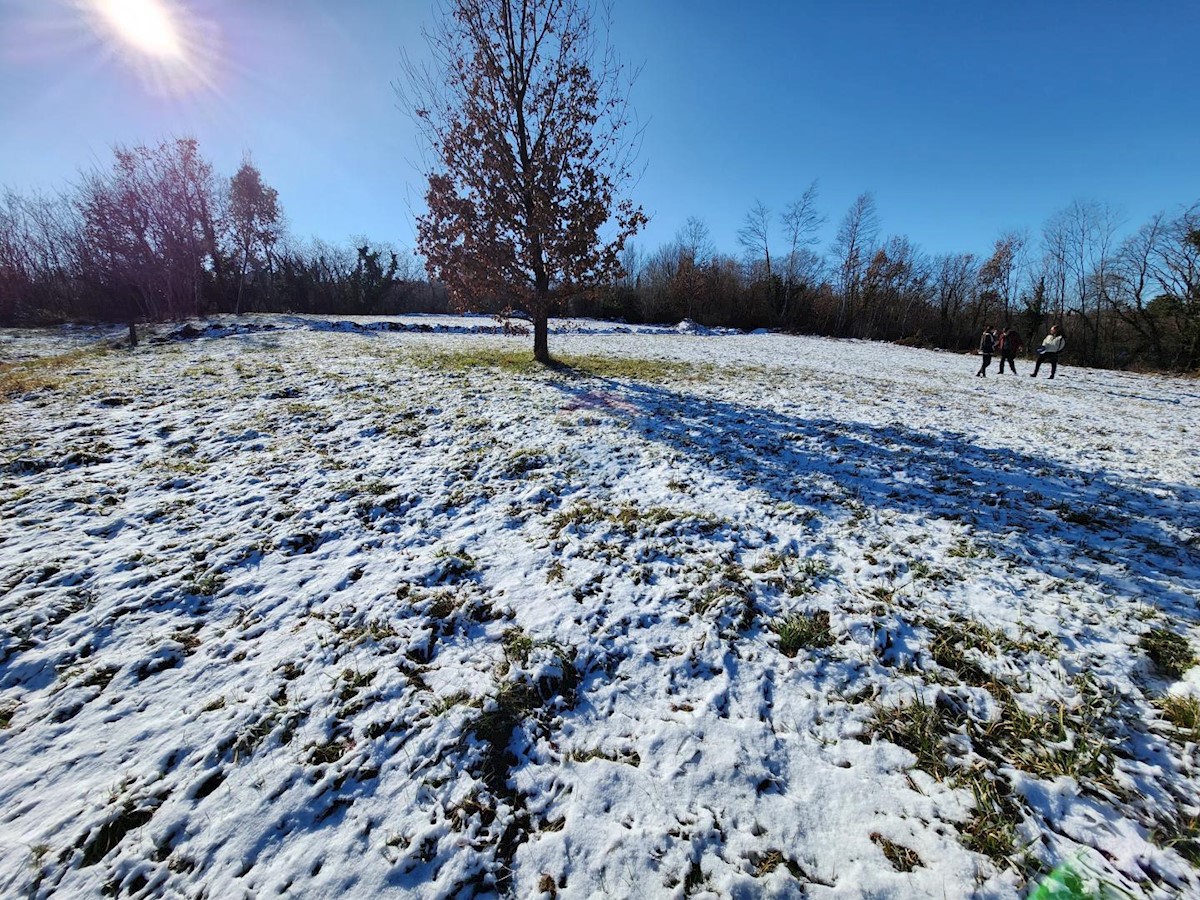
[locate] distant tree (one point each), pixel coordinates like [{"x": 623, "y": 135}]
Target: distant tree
[
  {"x": 695, "y": 241},
  {"x": 998, "y": 274},
  {"x": 39, "y": 239},
  {"x": 954, "y": 278},
  {"x": 801, "y": 222},
  {"x": 755, "y": 235},
  {"x": 150, "y": 232},
  {"x": 696, "y": 252},
  {"x": 529, "y": 128},
  {"x": 852, "y": 250},
  {"x": 1175, "y": 263},
  {"x": 1080, "y": 247},
  {"x": 254, "y": 221},
  {"x": 373, "y": 278},
  {"x": 894, "y": 284}
]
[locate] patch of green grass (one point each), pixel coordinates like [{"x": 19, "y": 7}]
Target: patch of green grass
[
  {"x": 517, "y": 645},
  {"x": 965, "y": 549},
  {"x": 800, "y": 630},
  {"x": 249, "y": 738},
  {"x": 375, "y": 487},
  {"x": 881, "y": 593},
  {"x": 1171, "y": 653},
  {"x": 920, "y": 570},
  {"x": 903, "y": 859},
  {"x": 768, "y": 562},
  {"x": 952, "y": 643},
  {"x": 353, "y": 682},
  {"x": 919, "y": 728},
  {"x": 632, "y": 518},
  {"x": 992, "y": 829},
  {"x": 1087, "y": 516},
  {"x": 99, "y": 677},
  {"x": 113, "y": 831},
  {"x": 768, "y": 862},
  {"x": 46, "y": 373},
  {"x": 455, "y": 565},
  {"x": 1181, "y": 835},
  {"x": 631, "y": 758},
  {"x": 444, "y": 704},
  {"x": 1183, "y": 713},
  {"x": 329, "y": 752},
  {"x": 524, "y": 460},
  {"x": 1061, "y": 740},
  {"x": 205, "y": 585},
  {"x": 519, "y": 362},
  {"x": 579, "y": 514},
  {"x": 632, "y": 369},
  {"x": 352, "y": 632},
  {"x": 956, "y": 640},
  {"x": 629, "y": 518}
]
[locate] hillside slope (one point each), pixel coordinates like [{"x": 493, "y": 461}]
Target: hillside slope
[{"x": 317, "y": 609}]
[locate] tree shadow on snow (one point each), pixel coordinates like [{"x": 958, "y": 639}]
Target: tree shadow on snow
[{"x": 1067, "y": 522}]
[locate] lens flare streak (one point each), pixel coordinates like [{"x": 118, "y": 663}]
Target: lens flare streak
[{"x": 173, "y": 51}]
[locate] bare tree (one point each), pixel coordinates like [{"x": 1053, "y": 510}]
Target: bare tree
[
  {"x": 999, "y": 272},
  {"x": 801, "y": 222},
  {"x": 39, "y": 237},
  {"x": 695, "y": 239},
  {"x": 852, "y": 250},
  {"x": 151, "y": 232},
  {"x": 755, "y": 236},
  {"x": 953, "y": 284},
  {"x": 253, "y": 220},
  {"x": 1176, "y": 267},
  {"x": 1080, "y": 242},
  {"x": 524, "y": 111}
]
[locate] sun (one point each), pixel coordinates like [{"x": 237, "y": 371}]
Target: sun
[
  {"x": 167, "y": 44},
  {"x": 146, "y": 25}
]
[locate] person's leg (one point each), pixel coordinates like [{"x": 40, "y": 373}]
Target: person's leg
[
  {"x": 1037, "y": 364},
  {"x": 982, "y": 373},
  {"x": 1053, "y": 364}
]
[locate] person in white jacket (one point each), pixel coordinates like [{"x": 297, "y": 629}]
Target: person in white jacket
[{"x": 1048, "y": 352}]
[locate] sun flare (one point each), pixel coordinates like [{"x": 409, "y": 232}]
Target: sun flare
[{"x": 144, "y": 24}]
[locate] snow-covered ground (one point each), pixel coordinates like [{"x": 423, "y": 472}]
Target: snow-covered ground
[{"x": 315, "y": 608}]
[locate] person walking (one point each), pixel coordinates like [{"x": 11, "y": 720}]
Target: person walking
[
  {"x": 1048, "y": 352},
  {"x": 1010, "y": 346},
  {"x": 987, "y": 345}
]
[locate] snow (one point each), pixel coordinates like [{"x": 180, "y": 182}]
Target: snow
[{"x": 296, "y": 605}]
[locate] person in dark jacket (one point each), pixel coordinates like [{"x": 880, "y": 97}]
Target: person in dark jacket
[
  {"x": 987, "y": 346},
  {"x": 1010, "y": 346},
  {"x": 1048, "y": 352}
]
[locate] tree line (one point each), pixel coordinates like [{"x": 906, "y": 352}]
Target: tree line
[
  {"x": 1124, "y": 299},
  {"x": 158, "y": 236}
]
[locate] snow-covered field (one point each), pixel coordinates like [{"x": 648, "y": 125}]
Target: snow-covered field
[{"x": 303, "y": 608}]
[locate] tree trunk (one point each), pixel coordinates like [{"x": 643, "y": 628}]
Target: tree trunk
[
  {"x": 237, "y": 306},
  {"x": 132, "y": 335},
  {"x": 541, "y": 336}
]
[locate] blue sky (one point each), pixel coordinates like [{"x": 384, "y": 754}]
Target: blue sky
[{"x": 963, "y": 118}]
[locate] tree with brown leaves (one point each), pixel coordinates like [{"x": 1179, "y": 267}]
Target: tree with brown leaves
[{"x": 524, "y": 109}]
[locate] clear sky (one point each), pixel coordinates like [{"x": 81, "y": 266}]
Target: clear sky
[{"x": 964, "y": 118}]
